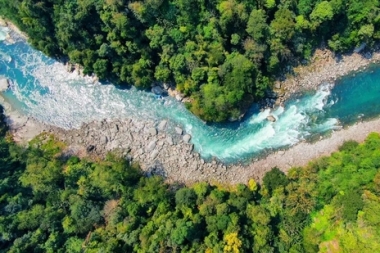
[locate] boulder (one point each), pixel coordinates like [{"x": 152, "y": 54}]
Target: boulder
[
  {"x": 162, "y": 125},
  {"x": 169, "y": 140},
  {"x": 157, "y": 90},
  {"x": 271, "y": 118},
  {"x": 152, "y": 131},
  {"x": 151, "y": 146},
  {"x": 90, "y": 148},
  {"x": 186, "y": 138},
  {"x": 2, "y": 22},
  {"x": 114, "y": 130},
  {"x": 4, "y": 84},
  {"x": 166, "y": 86},
  {"x": 103, "y": 140},
  {"x": 179, "y": 97},
  {"x": 154, "y": 154},
  {"x": 178, "y": 130}
]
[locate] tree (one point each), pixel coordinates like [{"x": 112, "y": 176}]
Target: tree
[
  {"x": 232, "y": 243},
  {"x": 274, "y": 179},
  {"x": 322, "y": 12},
  {"x": 185, "y": 197},
  {"x": 257, "y": 26}
]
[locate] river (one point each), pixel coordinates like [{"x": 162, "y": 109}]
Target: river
[{"x": 42, "y": 88}]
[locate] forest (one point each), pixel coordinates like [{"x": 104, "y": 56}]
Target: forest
[
  {"x": 222, "y": 54},
  {"x": 53, "y": 202}
]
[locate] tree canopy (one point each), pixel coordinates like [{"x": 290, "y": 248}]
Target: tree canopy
[
  {"x": 50, "y": 202},
  {"x": 223, "y": 54}
]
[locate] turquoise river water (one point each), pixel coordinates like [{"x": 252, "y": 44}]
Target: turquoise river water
[{"x": 42, "y": 88}]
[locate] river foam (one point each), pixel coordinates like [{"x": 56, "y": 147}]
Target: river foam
[{"x": 42, "y": 88}]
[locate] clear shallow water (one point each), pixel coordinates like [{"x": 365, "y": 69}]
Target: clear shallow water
[{"x": 42, "y": 88}]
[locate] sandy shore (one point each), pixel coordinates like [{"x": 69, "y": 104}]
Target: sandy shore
[{"x": 173, "y": 157}]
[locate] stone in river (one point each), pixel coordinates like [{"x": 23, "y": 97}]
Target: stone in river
[
  {"x": 4, "y": 84},
  {"x": 186, "y": 138},
  {"x": 271, "y": 118},
  {"x": 179, "y": 130}
]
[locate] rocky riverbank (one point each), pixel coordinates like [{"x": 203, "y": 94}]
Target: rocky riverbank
[
  {"x": 324, "y": 67},
  {"x": 163, "y": 148},
  {"x": 170, "y": 154}
]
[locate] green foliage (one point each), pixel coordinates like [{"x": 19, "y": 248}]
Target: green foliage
[
  {"x": 348, "y": 146},
  {"x": 52, "y": 203},
  {"x": 351, "y": 203},
  {"x": 274, "y": 179}
]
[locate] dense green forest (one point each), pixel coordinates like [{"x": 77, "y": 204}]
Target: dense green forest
[
  {"x": 224, "y": 54},
  {"x": 51, "y": 202}
]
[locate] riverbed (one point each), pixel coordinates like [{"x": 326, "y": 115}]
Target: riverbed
[{"x": 44, "y": 90}]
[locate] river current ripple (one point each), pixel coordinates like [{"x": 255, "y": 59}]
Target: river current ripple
[{"x": 42, "y": 88}]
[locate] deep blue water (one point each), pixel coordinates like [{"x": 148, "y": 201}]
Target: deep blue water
[
  {"x": 356, "y": 96},
  {"x": 42, "y": 88}
]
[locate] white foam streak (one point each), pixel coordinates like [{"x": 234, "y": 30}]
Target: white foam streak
[
  {"x": 51, "y": 94},
  {"x": 290, "y": 127}
]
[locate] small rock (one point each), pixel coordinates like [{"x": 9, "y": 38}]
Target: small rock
[
  {"x": 271, "y": 118},
  {"x": 178, "y": 97},
  {"x": 186, "y": 138},
  {"x": 154, "y": 154},
  {"x": 90, "y": 148},
  {"x": 152, "y": 131},
  {"x": 139, "y": 152},
  {"x": 162, "y": 125},
  {"x": 157, "y": 90},
  {"x": 169, "y": 140},
  {"x": 281, "y": 152},
  {"x": 178, "y": 130},
  {"x": 4, "y": 84},
  {"x": 2, "y": 22},
  {"x": 151, "y": 146},
  {"x": 166, "y": 86},
  {"x": 103, "y": 140}
]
